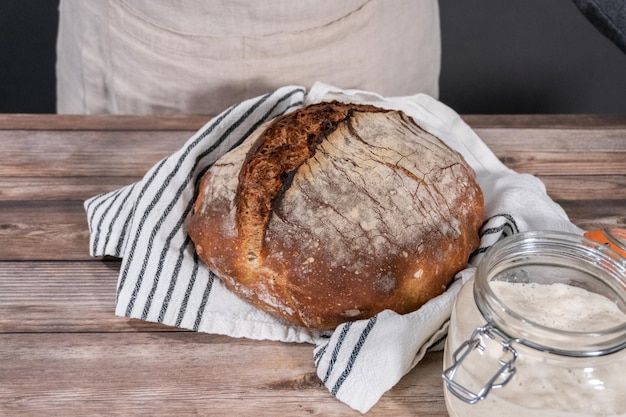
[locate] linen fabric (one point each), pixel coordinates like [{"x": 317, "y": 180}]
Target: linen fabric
[
  {"x": 162, "y": 279},
  {"x": 202, "y": 56}
]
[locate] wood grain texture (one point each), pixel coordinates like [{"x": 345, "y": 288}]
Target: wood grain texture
[
  {"x": 52, "y": 297},
  {"x": 585, "y": 187},
  {"x": 85, "y": 153},
  {"x": 57, "y": 230},
  {"x": 193, "y": 122},
  {"x": 64, "y": 352},
  {"x": 559, "y": 151},
  {"x": 180, "y": 374},
  {"x": 101, "y": 122},
  {"x": 43, "y": 229},
  {"x": 40, "y": 188}
]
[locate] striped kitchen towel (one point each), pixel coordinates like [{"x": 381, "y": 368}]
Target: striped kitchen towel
[{"x": 162, "y": 280}]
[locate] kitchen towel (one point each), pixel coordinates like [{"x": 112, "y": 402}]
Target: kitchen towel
[{"x": 162, "y": 280}]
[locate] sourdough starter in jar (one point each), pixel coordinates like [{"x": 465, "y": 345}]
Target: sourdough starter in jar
[{"x": 548, "y": 381}]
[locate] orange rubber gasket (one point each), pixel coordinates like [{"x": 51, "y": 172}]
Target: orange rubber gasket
[{"x": 605, "y": 237}]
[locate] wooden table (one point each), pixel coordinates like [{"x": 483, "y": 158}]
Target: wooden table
[{"x": 63, "y": 351}]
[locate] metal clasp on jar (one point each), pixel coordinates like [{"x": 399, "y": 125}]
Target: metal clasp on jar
[{"x": 505, "y": 371}]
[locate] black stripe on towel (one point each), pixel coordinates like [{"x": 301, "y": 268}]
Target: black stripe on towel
[
  {"x": 101, "y": 200},
  {"x": 205, "y": 299},
  {"x": 192, "y": 281},
  {"x": 174, "y": 279},
  {"x": 509, "y": 223},
  {"x": 354, "y": 355},
  {"x": 319, "y": 354},
  {"x": 118, "y": 247},
  {"x": 331, "y": 363}
]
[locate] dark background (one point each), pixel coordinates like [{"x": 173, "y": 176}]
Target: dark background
[{"x": 498, "y": 56}]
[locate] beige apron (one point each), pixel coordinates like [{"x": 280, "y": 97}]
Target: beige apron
[{"x": 201, "y": 56}]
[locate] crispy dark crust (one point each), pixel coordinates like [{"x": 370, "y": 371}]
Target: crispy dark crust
[
  {"x": 271, "y": 162},
  {"x": 336, "y": 212}
]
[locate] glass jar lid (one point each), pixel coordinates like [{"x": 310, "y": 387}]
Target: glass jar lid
[{"x": 556, "y": 260}]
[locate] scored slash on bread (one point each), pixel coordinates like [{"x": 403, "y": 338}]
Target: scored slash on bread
[{"x": 271, "y": 164}]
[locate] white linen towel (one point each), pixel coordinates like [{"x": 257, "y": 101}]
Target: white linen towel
[{"x": 162, "y": 279}]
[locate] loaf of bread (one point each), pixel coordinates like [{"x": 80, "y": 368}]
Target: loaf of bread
[{"x": 335, "y": 212}]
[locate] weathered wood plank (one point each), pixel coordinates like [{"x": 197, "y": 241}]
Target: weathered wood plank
[
  {"x": 42, "y": 188},
  {"x": 63, "y": 297},
  {"x": 35, "y": 230},
  {"x": 84, "y": 153},
  {"x": 563, "y": 187},
  {"x": 184, "y": 373},
  {"x": 52, "y": 122},
  {"x": 57, "y": 229},
  {"x": 585, "y": 187},
  {"x": 131, "y": 153},
  {"x": 563, "y": 141},
  {"x": 194, "y": 122},
  {"x": 592, "y": 214},
  {"x": 559, "y": 151},
  {"x": 558, "y": 163}
]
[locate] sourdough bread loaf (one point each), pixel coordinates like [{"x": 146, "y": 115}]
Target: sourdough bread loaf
[{"x": 336, "y": 212}]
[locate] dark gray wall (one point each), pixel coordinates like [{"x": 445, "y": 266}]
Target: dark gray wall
[
  {"x": 499, "y": 56},
  {"x": 527, "y": 56},
  {"x": 27, "y": 55}
]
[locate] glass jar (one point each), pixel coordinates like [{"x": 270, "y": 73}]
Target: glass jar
[{"x": 540, "y": 331}]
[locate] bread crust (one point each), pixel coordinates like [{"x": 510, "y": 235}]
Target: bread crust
[{"x": 336, "y": 212}]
